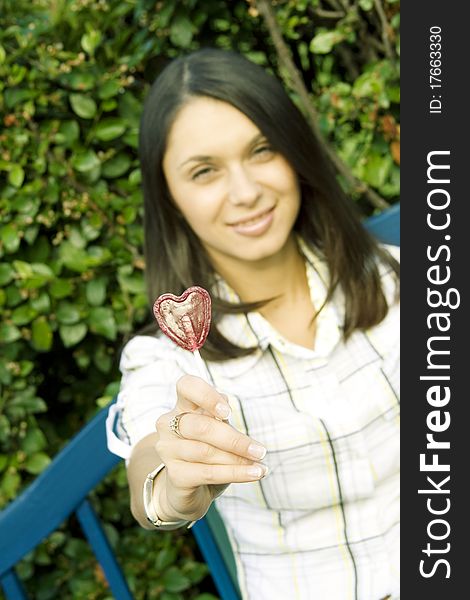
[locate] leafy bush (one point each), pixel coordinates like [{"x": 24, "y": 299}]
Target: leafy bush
[{"x": 73, "y": 74}]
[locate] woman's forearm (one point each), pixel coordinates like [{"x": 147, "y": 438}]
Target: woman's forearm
[{"x": 143, "y": 460}]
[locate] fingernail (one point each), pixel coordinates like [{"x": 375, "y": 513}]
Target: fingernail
[
  {"x": 222, "y": 410},
  {"x": 257, "y": 451},
  {"x": 257, "y": 471}
]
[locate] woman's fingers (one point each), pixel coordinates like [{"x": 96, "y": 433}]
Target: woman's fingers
[
  {"x": 198, "y": 452},
  {"x": 203, "y": 428},
  {"x": 190, "y": 475},
  {"x": 194, "y": 393}
]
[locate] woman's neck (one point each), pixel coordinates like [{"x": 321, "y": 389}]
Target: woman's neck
[{"x": 281, "y": 277}]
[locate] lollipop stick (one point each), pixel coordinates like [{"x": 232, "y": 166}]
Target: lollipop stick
[{"x": 201, "y": 366}]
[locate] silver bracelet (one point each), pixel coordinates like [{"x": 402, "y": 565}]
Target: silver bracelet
[{"x": 149, "y": 505}]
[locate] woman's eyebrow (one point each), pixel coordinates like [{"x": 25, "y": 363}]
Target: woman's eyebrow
[
  {"x": 207, "y": 158},
  {"x": 199, "y": 158}
]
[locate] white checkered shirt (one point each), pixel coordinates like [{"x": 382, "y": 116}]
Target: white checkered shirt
[{"x": 324, "y": 523}]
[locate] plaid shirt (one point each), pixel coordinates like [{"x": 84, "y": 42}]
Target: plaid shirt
[{"x": 324, "y": 523}]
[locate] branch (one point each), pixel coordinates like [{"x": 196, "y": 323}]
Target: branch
[
  {"x": 329, "y": 14},
  {"x": 285, "y": 59},
  {"x": 385, "y": 28}
]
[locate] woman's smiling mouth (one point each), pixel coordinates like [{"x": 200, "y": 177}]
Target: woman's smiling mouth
[{"x": 256, "y": 225}]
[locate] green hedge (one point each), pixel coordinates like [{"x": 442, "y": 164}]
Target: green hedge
[{"x": 72, "y": 77}]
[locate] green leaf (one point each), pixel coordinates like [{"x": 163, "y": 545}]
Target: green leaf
[
  {"x": 83, "y": 106},
  {"x": 69, "y": 132},
  {"x": 367, "y": 85},
  {"x": 10, "y": 237},
  {"x": 6, "y": 273},
  {"x": 366, "y": 4},
  {"x": 26, "y": 366},
  {"x": 323, "y": 42},
  {"x": 30, "y": 234},
  {"x": 76, "y": 238},
  {"x": 91, "y": 228},
  {"x": 3, "y": 462},
  {"x": 109, "y": 89},
  {"x": 67, "y": 313},
  {"x": 3, "y": 55},
  {"x": 41, "y": 335},
  {"x": 90, "y": 41},
  {"x": 41, "y": 303},
  {"x": 171, "y": 596},
  {"x": 181, "y": 31},
  {"x": 75, "y": 259},
  {"x": 132, "y": 282},
  {"x": 195, "y": 571},
  {"x": 61, "y": 288},
  {"x": 10, "y": 484},
  {"x": 131, "y": 138},
  {"x": 116, "y": 166},
  {"x": 34, "y": 275},
  {"x": 9, "y": 333},
  {"x": 85, "y": 161},
  {"x": 135, "y": 177},
  {"x": 79, "y": 80},
  {"x": 26, "y": 402},
  {"x": 13, "y": 296},
  {"x": 34, "y": 441},
  {"x": 23, "y": 315},
  {"x": 71, "y": 335},
  {"x": 376, "y": 169},
  {"x": 96, "y": 291},
  {"x": 130, "y": 108},
  {"x": 174, "y": 580},
  {"x": 110, "y": 129},
  {"x": 101, "y": 321},
  {"x": 36, "y": 463},
  {"x": 24, "y": 269},
  {"x": 109, "y": 105},
  {"x": 5, "y": 430},
  {"x": 166, "y": 557},
  {"x": 16, "y": 176},
  {"x": 78, "y": 550},
  {"x": 14, "y": 96}
]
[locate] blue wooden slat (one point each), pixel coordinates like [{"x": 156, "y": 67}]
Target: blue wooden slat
[
  {"x": 12, "y": 586},
  {"x": 95, "y": 534},
  {"x": 55, "y": 494},
  {"x": 386, "y": 226},
  {"x": 214, "y": 560}
]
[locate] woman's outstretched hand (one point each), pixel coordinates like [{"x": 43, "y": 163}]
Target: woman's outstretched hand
[{"x": 210, "y": 456}]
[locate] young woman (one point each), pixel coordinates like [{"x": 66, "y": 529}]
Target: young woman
[{"x": 296, "y": 436}]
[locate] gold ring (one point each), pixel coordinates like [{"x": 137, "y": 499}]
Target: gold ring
[{"x": 175, "y": 422}]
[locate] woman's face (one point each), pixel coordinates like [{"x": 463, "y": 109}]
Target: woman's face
[{"x": 239, "y": 196}]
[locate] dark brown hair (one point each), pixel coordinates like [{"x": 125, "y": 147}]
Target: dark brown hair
[{"x": 328, "y": 221}]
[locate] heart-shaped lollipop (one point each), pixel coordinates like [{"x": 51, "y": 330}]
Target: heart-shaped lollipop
[{"x": 185, "y": 319}]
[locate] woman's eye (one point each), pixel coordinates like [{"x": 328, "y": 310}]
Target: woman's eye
[
  {"x": 201, "y": 173},
  {"x": 263, "y": 150}
]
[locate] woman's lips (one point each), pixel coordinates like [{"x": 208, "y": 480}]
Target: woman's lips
[{"x": 255, "y": 226}]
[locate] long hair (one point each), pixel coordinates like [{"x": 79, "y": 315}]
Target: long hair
[{"x": 328, "y": 221}]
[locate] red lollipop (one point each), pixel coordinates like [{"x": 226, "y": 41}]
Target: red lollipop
[{"x": 186, "y": 319}]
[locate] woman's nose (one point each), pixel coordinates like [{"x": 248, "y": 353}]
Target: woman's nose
[{"x": 243, "y": 187}]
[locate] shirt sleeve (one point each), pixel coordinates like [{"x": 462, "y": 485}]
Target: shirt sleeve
[{"x": 150, "y": 369}]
